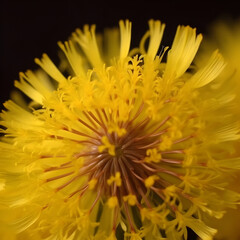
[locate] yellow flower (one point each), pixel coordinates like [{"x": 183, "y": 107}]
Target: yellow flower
[
  {"x": 120, "y": 144},
  {"x": 226, "y": 36}
]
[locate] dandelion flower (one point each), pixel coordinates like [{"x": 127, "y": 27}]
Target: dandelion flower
[
  {"x": 125, "y": 144},
  {"x": 226, "y": 36}
]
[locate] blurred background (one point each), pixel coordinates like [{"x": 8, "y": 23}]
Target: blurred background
[{"x": 30, "y": 28}]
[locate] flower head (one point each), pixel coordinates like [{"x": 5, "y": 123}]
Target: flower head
[{"x": 124, "y": 144}]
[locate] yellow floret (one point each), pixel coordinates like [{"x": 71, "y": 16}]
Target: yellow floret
[
  {"x": 153, "y": 155},
  {"x": 107, "y": 145},
  {"x": 115, "y": 179},
  {"x": 112, "y": 202},
  {"x": 149, "y": 182},
  {"x": 92, "y": 183},
  {"x": 131, "y": 199}
]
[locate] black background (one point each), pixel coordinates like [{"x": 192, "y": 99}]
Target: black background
[{"x": 30, "y": 28}]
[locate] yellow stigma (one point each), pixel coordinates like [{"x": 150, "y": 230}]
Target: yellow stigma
[
  {"x": 112, "y": 202},
  {"x": 114, "y": 128},
  {"x": 131, "y": 199},
  {"x": 92, "y": 183},
  {"x": 106, "y": 145},
  {"x": 166, "y": 143},
  {"x": 115, "y": 179},
  {"x": 149, "y": 182},
  {"x": 153, "y": 155}
]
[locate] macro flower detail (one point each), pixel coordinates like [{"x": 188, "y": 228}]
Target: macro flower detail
[
  {"x": 226, "y": 36},
  {"x": 121, "y": 143}
]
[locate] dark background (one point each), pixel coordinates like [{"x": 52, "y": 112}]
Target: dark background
[{"x": 29, "y": 28}]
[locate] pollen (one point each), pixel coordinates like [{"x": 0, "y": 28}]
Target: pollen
[
  {"x": 107, "y": 145},
  {"x": 112, "y": 202},
  {"x": 120, "y": 141},
  {"x": 153, "y": 155},
  {"x": 115, "y": 179},
  {"x": 166, "y": 143},
  {"x": 149, "y": 182},
  {"x": 92, "y": 183},
  {"x": 131, "y": 199}
]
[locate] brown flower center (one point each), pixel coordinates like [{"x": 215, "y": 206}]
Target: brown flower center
[{"x": 128, "y": 160}]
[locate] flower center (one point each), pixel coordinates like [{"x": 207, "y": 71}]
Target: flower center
[
  {"x": 119, "y": 165},
  {"x": 122, "y": 162}
]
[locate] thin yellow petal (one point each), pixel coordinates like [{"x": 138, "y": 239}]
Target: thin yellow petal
[
  {"x": 48, "y": 66},
  {"x": 156, "y": 29},
  {"x": 209, "y": 72},
  {"x": 184, "y": 49},
  {"x": 125, "y": 33},
  {"x": 87, "y": 40},
  {"x": 73, "y": 57}
]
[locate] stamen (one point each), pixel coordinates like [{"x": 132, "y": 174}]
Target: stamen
[
  {"x": 140, "y": 109},
  {"x": 86, "y": 154},
  {"x": 89, "y": 142},
  {"x": 173, "y": 151},
  {"x": 95, "y": 119},
  {"x": 125, "y": 175},
  {"x": 95, "y": 201},
  {"x": 172, "y": 161},
  {"x": 62, "y": 166},
  {"x": 182, "y": 139},
  {"x": 134, "y": 156},
  {"x": 151, "y": 145},
  {"x": 83, "y": 134},
  {"x": 90, "y": 119},
  {"x": 102, "y": 124},
  {"x": 116, "y": 210},
  {"x": 88, "y": 126},
  {"x": 161, "y": 124},
  {"x": 58, "y": 177},
  {"x": 164, "y": 170},
  {"x": 84, "y": 188},
  {"x": 67, "y": 183},
  {"x": 153, "y": 134},
  {"x": 144, "y": 196},
  {"x": 129, "y": 217},
  {"x": 130, "y": 137},
  {"x": 105, "y": 115},
  {"x": 103, "y": 169}
]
